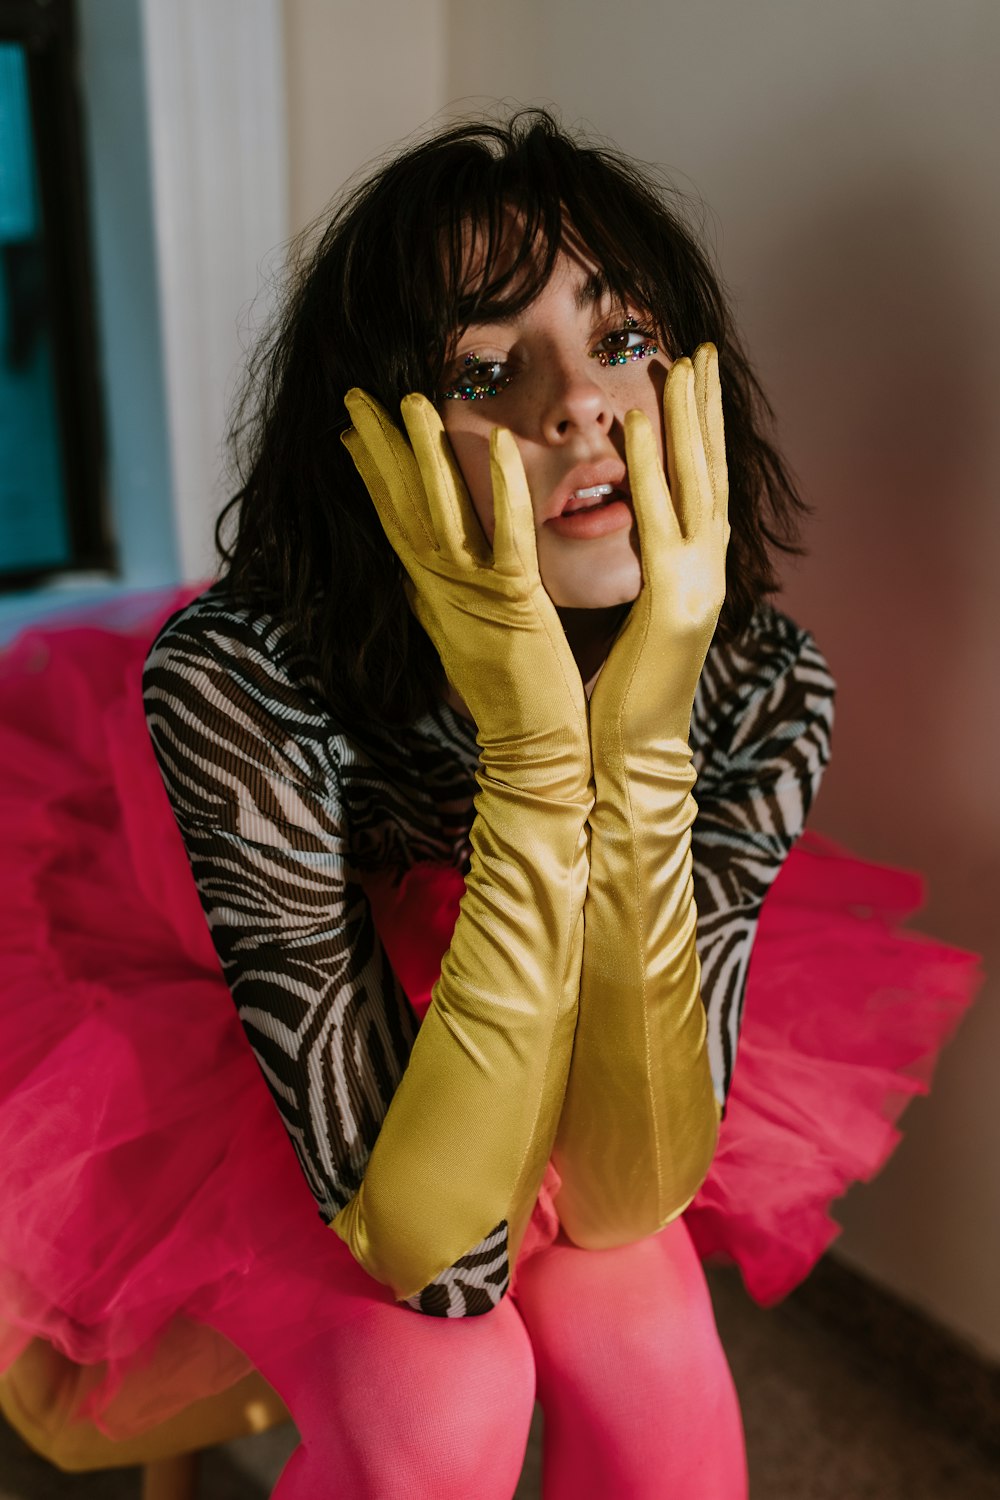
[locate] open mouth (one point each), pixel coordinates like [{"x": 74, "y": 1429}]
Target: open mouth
[
  {"x": 594, "y": 510},
  {"x": 594, "y": 497}
]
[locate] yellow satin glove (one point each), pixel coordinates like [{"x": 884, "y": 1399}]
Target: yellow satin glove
[
  {"x": 640, "y": 1119},
  {"x": 468, "y": 1133}
]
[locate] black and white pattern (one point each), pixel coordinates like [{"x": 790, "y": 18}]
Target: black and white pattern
[
  {"x": 282, "y": 816},
  {"x": 474, "y": 1284},
  {"x": 760, "y": 740}
]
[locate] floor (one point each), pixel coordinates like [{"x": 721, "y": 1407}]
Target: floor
[{"x": 833, "y": 1409}]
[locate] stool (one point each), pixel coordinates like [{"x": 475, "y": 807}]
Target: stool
[{"x": 41, "y": 1389}]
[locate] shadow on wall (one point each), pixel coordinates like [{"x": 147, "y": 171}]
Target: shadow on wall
[
  {"x": 873, "y": 296},
  {"x": 887, "y": 420}
]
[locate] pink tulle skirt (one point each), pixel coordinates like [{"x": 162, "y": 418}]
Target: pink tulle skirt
[{"x": 143, "y": 1166}]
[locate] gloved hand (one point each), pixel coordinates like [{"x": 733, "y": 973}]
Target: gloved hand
[
  {"x": 493, "y": 625},
  {"x": 640, "y": 1120},
  {"x": 467, "y": 1136},
  {"x": 646, "y": 689}
]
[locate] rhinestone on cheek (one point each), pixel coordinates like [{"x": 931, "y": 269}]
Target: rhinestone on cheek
[
  {"x": 627, "y": 356},
  {"x": 470, "y": 393}
]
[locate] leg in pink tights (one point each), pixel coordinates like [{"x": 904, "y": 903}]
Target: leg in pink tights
[
  {"x": 392, "y": 1404},
  {"x": 638, "y": 1397}
]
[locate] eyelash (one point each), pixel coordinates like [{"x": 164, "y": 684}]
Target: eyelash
[
  {"x": 626, "y": 356},
  {"x": 471, "y": 389}
]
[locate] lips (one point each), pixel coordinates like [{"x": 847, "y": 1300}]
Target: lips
[
  {"x": 588, "y": 486},
  {"x": 587, "y": 499}
]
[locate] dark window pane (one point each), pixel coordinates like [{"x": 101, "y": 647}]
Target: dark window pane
[{"x": 34, "y": 534}]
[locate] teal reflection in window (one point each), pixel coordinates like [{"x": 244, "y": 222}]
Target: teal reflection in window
[{"x": 33, "y": 531}]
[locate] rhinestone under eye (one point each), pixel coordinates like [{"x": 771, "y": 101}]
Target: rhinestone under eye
[
  {"x": 642, "y": 351},
  {"x": 473, "y": 392},
  {"x": 625, "y": 356}
]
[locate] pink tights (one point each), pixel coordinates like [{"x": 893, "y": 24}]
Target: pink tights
[{"x": 636, "y": 1391}]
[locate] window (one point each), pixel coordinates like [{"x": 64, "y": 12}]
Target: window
[{"x": 52, "y": 513}]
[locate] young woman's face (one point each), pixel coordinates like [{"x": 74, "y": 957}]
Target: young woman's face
[{"x": 561, "y": 375}]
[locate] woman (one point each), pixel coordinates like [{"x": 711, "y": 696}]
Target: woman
[
  {"x": 512, "y": 279},
  {"x": 483, "y": 663}
]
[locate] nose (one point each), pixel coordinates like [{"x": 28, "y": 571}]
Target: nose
[{"x": 574, "y": 402}]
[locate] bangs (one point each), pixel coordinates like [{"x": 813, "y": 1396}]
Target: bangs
[{"x": 495, "y": 215}]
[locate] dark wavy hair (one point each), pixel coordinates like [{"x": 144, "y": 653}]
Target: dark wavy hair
[{"x": 377, "y": 301}]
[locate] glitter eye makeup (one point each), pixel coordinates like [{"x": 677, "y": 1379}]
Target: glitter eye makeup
[
  {"x": 623, "y": 352},
  {"x": 478, "y": 380}
]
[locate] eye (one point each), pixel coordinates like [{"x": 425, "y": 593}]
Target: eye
[
  {"x": 477, "y": 378},
  {"x": 623, "y": 345}
]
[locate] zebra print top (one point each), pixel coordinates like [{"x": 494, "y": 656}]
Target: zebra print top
[{"x": 282, "y": 816}]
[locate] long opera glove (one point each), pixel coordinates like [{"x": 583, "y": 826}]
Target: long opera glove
[
  {"x": 640, "y": 1120},
  {"x": 468, "y": 1133}
]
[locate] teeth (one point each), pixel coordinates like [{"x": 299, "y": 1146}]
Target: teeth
[{"x": 582, "y": 499}]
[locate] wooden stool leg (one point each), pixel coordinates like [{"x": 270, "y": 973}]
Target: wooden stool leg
[{"x": 171, "y": 1478}]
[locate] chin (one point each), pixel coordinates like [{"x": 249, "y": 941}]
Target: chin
[{"x": 592, "y": 588}]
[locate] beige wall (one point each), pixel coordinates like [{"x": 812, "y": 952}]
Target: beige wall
[
  {"x": 848, "y": 157},
  {"x": 360, "y": 75}
]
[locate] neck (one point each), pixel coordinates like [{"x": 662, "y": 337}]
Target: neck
[{"x": 590, "y": 634}]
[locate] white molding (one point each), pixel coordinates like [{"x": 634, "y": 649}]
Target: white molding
[{"x": 215, "y": 86}]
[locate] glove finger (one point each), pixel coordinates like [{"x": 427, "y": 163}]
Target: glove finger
[
  {"x": 708, "y": 398},
  {"x": 378, "y": 492},
  {"x": 514, "y": 548},
  {"x": 386, "y": 464},
  {"x": 651, "y": 499},
  {"x": 453, "y": 518},
  {"x": 690, "y": 485}
]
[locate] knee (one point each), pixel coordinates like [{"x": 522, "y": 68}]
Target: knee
[
  {"x": 637, "y": 1392},
  {"x": 637, "y": 1320},
  {"x": 449, "y": 1415},
  {"x": 476, "y": 1440}
]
